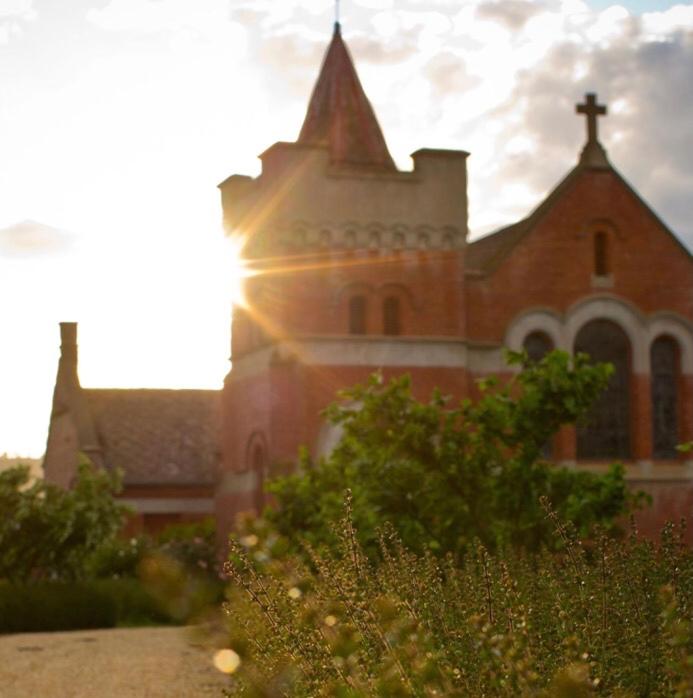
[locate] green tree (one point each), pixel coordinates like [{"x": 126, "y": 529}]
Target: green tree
[
  {"x": 445, "y": 475},
  {"x": 47, "y": 532}
]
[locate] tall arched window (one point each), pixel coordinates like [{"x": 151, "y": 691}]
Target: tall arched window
[
  {"x": 601, "y": 254},
  {"x": 357, "y": 315},
  {"x": 606, "y": 434},
  {"x": 537, "y": 345},
  {"x": 663, "y": 377},
  {"x": 391, "y": 315},
  {"x": 258, "y": 467}
]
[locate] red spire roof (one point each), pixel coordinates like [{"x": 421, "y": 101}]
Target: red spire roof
[{"x": 339, "y": 114}]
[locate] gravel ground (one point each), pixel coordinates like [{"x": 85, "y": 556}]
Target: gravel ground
[{"x": 147, "y": 662}]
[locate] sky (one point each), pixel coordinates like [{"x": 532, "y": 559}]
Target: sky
[{"x": 118, "y": 118}]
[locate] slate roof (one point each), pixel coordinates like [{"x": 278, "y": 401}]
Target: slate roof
[
  {"x": 340, "y": 116},
  {"x": 168, "y": 437}
]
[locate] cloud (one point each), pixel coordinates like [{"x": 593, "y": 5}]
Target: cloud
[
  {"x": 18, "y": 9},
  {"x": 13, "y": 13},
  {"x": 513, "y": 13},
  {"x": 30, "y": 239},
  {"x": 160, "y": 16},
  {"x": 646, "y": 84}
]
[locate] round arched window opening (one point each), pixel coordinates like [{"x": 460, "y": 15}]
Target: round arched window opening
[
  {"x": 357, "y": 315},
  {"x": 664, "y": 372},
  {"x": 537, "y": 345},
  {"x": 258, "y": 468},
  {"x": 606, "y": 431},
  {"x": 392, "y": 324}
]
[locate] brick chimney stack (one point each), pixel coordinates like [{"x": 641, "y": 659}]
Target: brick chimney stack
[{"x": 67, "y": 368}]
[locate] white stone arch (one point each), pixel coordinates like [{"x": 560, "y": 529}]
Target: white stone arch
[
  {"x": 619, "y": 312},
  {"x": 676, "y": 327},
  {"x": 536, "y": 320}
]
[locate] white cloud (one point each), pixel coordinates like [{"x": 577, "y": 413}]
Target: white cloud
[
  {"x": 21, "y": 9},
  {"x": 30, "y": 239},
  {"x": 157, "y": 16}
]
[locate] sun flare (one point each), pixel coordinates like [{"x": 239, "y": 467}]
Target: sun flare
[{"x": 238, "y": 270}]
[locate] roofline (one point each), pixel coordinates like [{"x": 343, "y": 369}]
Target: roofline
[
  {"x": 654, "y": 215},
  {"x": 130, "y": 391},
  {"x": 538, "y": 213},
  {"x": 441, "y": 152}
]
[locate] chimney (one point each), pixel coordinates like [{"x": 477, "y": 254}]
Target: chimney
[{"x": 67, "y": 368}]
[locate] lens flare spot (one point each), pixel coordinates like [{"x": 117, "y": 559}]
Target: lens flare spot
[
  {"x": 295, "y": 593},
  {"x": 227, "y": 661}
]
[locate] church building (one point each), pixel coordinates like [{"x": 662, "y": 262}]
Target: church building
[{"x": 362, "y": 267}]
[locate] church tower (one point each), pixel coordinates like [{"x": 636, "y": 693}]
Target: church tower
[{"x": 358, "y": 267}]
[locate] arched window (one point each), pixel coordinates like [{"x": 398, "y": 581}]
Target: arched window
[
  {"x": 391, "y": 315},
  {"x": 357, "y": 315},
  {"x": 606, "y": 433},
  {"x": 601, "y": 254},
  {"x": 663, "y": 377},
  {"x": 258, "y": 467},
  {"x": 537, "y": 345},
  {"x": 325, "y": 238}
]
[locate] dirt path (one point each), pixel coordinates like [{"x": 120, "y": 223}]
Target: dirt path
[{"x": 146, "y": 662}]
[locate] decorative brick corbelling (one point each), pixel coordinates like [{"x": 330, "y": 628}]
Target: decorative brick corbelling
[{"x": 353, "y": 235}]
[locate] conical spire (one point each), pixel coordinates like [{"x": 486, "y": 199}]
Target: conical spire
[{"x": 339, "y": 114}]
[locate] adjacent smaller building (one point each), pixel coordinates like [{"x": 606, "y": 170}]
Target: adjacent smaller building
[{"x": 165, "y": 442}]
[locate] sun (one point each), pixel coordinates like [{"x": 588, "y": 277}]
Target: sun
[{"x": 238, "y": 269}]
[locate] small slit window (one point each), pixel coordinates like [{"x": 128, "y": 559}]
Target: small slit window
[
  {"x": 601, "y": 254},
  {"x": 391, "y": 316},
  {"x": 357, "y": 315}
]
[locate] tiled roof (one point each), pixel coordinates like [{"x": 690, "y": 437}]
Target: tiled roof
[
  {"x": 340, "y": 116},
  {"x": 158, "y": 436}
]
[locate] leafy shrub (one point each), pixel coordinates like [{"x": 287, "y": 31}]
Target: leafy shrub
[
  {"x": 445, "y": 476},
  {"x": 184, "y": 596},
  {"x": 47, "y": 606},
  {"x": 192, "y": 544},
  {"x": 135, "y": 602},
  {"x": 119, "y": 558},
  {"x": 47, "y": 532},
  {"x": 613, "y": 619}
]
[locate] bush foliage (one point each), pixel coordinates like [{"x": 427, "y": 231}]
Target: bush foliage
[
  {"x": 63, "y": 565},
  {"x": 611, "y": 619},
  {"x": 444, "y": 475},
  {"x": 103, "y": 603},
  {"x": 47, "y": 532}
]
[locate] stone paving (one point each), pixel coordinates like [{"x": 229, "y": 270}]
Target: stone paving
[{"x": 119, "y": 663}]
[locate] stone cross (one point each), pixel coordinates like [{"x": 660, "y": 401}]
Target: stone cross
[{"x": 591, "y": 110}]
